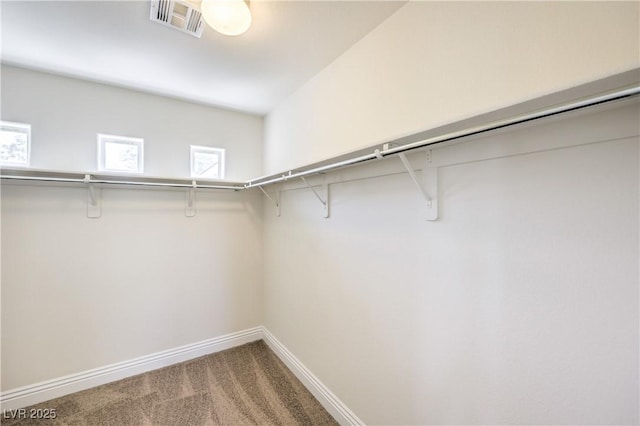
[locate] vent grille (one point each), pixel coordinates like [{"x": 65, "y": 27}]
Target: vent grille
[
  {"x": 163, "y": 10},
  {"x": 195, "y": 21},
  {"x": 179, "y": 15}
]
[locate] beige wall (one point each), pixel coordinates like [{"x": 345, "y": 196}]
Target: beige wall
[
  {"x": 81, "y": 293},
  {"x": 65, "y": 115},
  {"x": 433, "y": 63},
  {"x": 518, "y": 306}
]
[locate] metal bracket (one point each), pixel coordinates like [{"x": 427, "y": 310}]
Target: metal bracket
[
  {"x": 190, "y": 210},
  {"x": 276, "y": 201},
  {"x": 325, "y": 203},
  {"x": 429, "y": 188},
  {"x": 94, "y": 199}
]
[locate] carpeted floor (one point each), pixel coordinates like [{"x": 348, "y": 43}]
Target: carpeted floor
[{"x": 244, "y": 385}]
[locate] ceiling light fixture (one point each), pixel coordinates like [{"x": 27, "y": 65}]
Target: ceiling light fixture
[{"x": 229, "y": 17}]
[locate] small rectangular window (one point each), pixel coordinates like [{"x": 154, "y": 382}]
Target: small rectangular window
[
  {"x": 120, "y": 154},
  {"x": 207, "y": 162},
  {"x": 15, "y": 144}
]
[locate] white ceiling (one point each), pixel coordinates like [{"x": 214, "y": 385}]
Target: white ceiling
[{"x": 116, "y": 43}]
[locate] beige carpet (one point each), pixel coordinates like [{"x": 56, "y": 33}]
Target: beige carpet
[{"x": 244, "y": 385}]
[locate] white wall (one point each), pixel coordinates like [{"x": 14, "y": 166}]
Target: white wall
[
  {"x": 65, "y": 115},
  {"x": 81, "y": 293},
  {"x": 519, "y": 306},
  {"x": 433, "y": 63}
]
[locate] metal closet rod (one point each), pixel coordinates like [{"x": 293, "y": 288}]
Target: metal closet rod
[
  {"x": 378, "y": 154},
  {"x": 165, "y": 184},
  {"x": 121, "y": 182}
]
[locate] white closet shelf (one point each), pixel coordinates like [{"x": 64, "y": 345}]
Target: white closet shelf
[
  {"x": 397, "y": 147},
  {"x": 403, "y": 145},
  {"x": 422, "y": 141},
  {"x": 30, "y": 175}
]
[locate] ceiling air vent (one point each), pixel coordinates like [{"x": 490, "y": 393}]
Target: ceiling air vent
[{"x": 180, "y": 15}]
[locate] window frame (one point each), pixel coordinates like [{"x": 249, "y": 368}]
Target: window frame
[
  {"x": 5, "y": 126},
  {"x": 104, "y": 138},
  {"x": 221, "y": 152}
]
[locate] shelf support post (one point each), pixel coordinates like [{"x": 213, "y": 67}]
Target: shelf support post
[
  {"x": 429, "y": 187},
  {"x": 325, "y": 202},
  {"x": 94, "y": 199},
  {"x": 276, "y": 201},
  {"x": 190, "y": 210}
]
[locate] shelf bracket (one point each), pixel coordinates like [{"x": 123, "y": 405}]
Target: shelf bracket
[
  {"x": 275, "y": 201},
  {"x": 94, "y": 199},
  {"x": 190, "y": 210},
  {"x": 429, "y": 187},
  {"x": 325, "y": 202}
]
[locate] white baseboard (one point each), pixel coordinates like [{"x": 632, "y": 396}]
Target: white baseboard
[
  {"x": 328, "y": 399},
  {"x": 44, "y": 391},
  {"x": 55, "y": 388}
]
